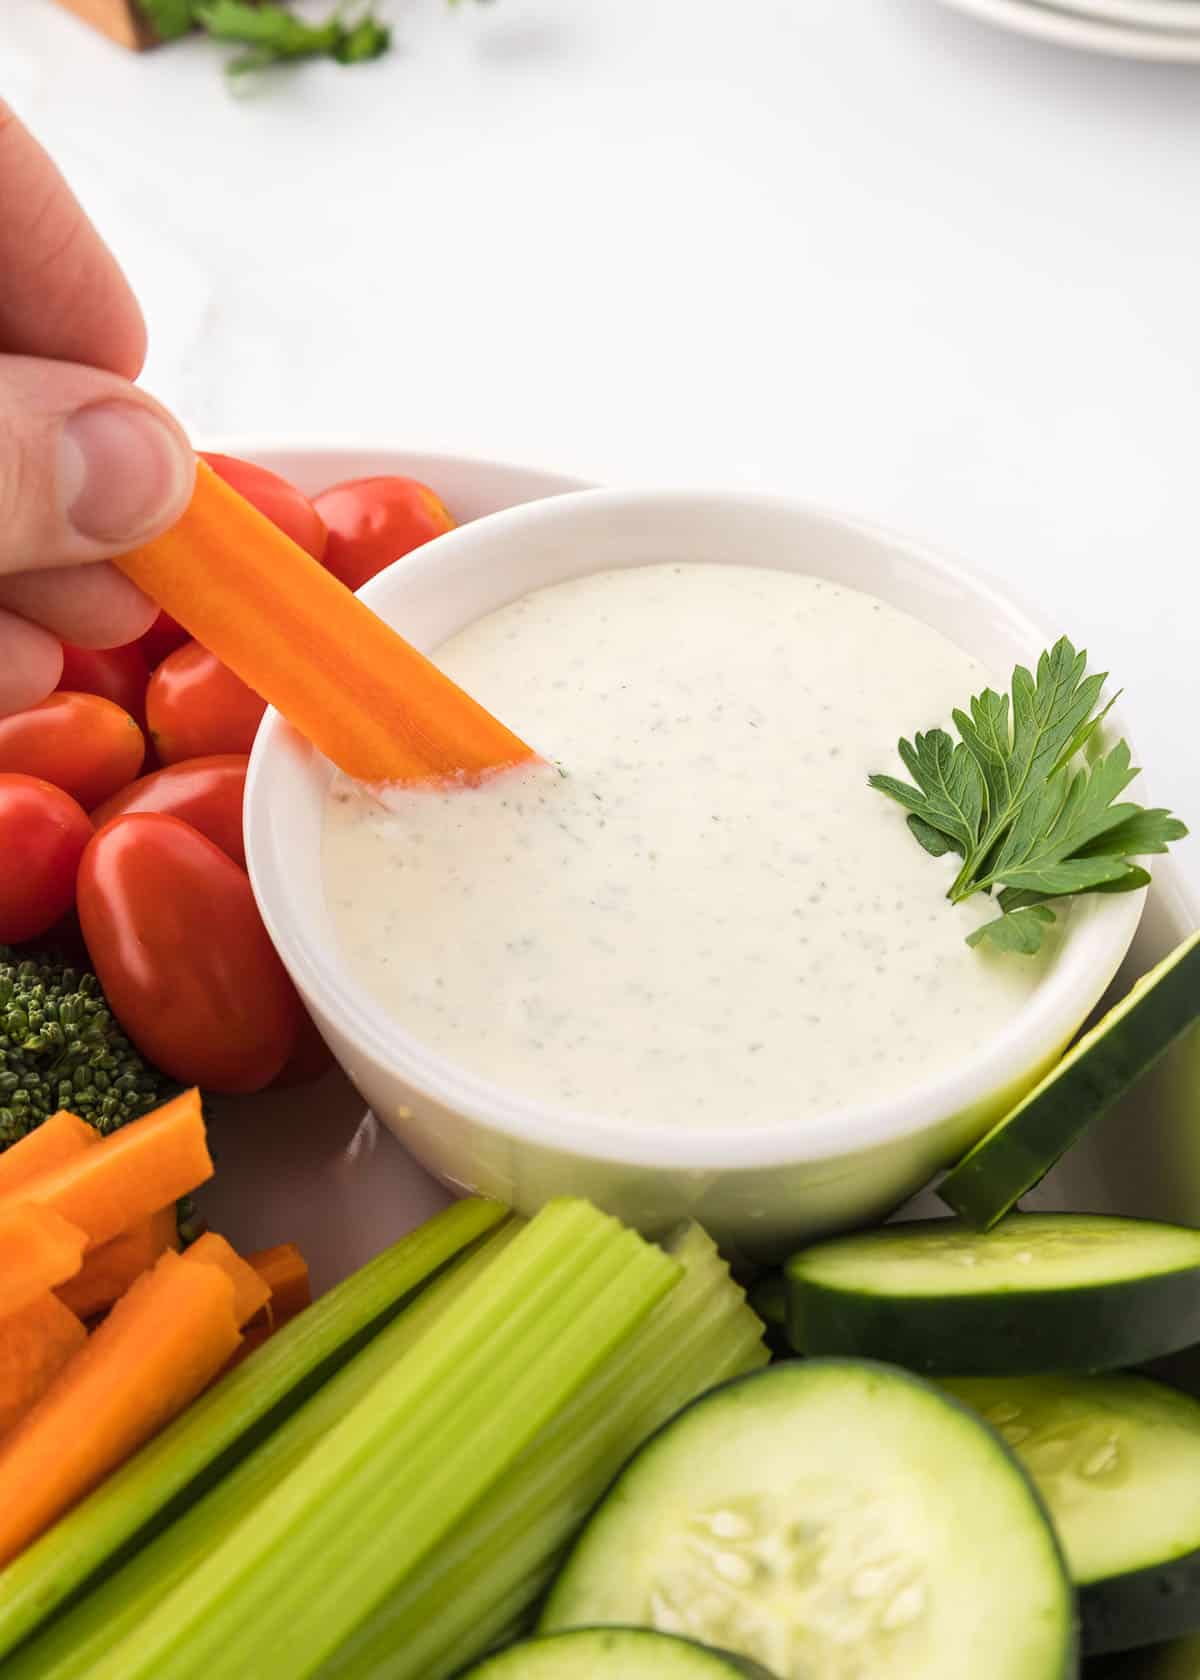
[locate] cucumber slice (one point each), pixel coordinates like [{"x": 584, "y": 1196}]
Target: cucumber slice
[
  {"x": 1179, "y": 1660},
  {"x": 768, "y": 1297},
  {"x": 623, "y": 1653},
  {"x": 1020, "y": 1150},
  {"x": 835, "y": 1518},
  {"x": 1117, "y": 1460},
  {"x": 1043, "y": 1291}
]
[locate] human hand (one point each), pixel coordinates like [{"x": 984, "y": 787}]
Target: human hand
[{"x": 89, "y": 465}]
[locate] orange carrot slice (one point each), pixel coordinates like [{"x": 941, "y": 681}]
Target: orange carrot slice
[
  {"x": 38, "y": 1249},
  {"x": 250, "y": 1292},
  {"x": 35, "y": 1344},
  {"x": 160, "y": 1346},
  {"x": 132, "y": 1174},
  {"x": 109, "y": 1269},
  {"x": 285, "y": 1272},
  {"x": 374, "y": 705},
  {"x": 60, "y": 1138}
]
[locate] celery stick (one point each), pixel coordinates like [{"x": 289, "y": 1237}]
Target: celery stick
[
  {"x": 141, "y": 1498},
  {"x": 356, "y": 1516},
  {"x": 481, "y": 1584},
  {"x": 77, "y": 1639}
]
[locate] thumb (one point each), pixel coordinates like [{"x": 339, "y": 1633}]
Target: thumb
[{"x": 89, "y": 465}]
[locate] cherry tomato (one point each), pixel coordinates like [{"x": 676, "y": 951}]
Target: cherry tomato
[
  {"x": 311, "y": 1057},
  {"x": 43, "y": 833},
  {"x": 162, "y": 638},
  {"x": 195, "y": 707},
  {"x": 373, "y": 521},
  {"x": 116, "y": 674},
  {"x": 275, "y": 498},
  {"x": 176, "y": 939},
  {"x": 79, "y": 742},
  {"x": 206, "y": 792}
]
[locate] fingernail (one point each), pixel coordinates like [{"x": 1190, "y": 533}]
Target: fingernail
[{"x": 122, "y": 472}]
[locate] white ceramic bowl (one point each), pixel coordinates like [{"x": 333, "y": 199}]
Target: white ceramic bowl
[{"x": 755, "y": 1190}]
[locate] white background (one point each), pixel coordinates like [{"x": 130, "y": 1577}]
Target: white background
[{"x": 868, "y": 251}]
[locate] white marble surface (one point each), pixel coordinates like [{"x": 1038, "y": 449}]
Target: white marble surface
[{"x": 869, "y": 251}]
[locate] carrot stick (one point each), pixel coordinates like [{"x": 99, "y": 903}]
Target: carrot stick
[
  {"x": 109, "y": 1269},
  {"x": 160, "y": 1346},
  {"x": 132, "y": 1173},
  {"x": 366, "y": 698},
  {"x": 285, "y": 1272},
  {"x": 250, "y": 1292},
  {"x": 35, "y": 1344},
  {"x": 60, "y": 1138},
  {"x": 38, "y": 1249}
]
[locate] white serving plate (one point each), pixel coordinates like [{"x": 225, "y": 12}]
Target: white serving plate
[
  {"x": 309, "y": 1165},
  {"x": 1067, "y": 27},
  {"x": 1182, "y": 16}
]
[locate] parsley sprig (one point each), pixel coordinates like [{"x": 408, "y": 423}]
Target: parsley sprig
[
  {"x": 274, "y": 35},
  {"x": 270, "y": 32},
  {"x": 1027, "y": 800}
]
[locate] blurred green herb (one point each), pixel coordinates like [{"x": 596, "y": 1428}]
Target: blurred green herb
[
  {"x": 271, "y": 33},
  {"x": 170, "y": 18}
]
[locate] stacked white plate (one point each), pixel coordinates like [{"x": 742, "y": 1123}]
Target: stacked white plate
[{"x": 1167, "y": 30}]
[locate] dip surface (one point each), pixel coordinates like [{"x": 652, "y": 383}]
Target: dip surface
[{"x": 710, "y": 919}]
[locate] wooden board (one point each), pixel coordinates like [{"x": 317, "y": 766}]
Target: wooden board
[{"x": 120, "y": 20}]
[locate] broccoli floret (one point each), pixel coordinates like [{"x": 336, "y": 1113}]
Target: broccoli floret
[{"x": 61, "y": 1048}]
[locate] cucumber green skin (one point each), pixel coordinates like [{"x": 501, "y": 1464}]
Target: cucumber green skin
[
  {"x": 768, "y": 1297},
  {"x": 1101, "y": 1327},
  {"x": 1018, "y": 1152},
  {"x": 1069, "y": 1669},
  {"x": 1176, "y": 1660},
  {"x": 509, "y": 1664},
  {"x": 1126, "y": 1612}
]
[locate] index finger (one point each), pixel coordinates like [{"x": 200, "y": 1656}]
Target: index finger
[{"x": 62, "y": 294}]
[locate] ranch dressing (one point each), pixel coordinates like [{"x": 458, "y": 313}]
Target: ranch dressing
[{"x": 707, "y": 918}]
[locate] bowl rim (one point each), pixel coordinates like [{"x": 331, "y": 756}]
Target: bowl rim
[
  {"x": 266, "y": 449},
  {"x": 1031, "y": 1036}
]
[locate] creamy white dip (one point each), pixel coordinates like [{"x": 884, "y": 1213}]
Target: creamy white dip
[{"x": 709, "y": 918}]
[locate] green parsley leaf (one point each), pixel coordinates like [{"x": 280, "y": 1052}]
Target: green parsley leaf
[
  {"x": 934, "y": 841},
  {"x": 169, "y": 18},
  {"x": 949, "y": 791},
  {"x": 1069, "y": 811},
  {"x": 1017, "y": 930},
  {"x": 1028, "y": 800},
  {"x": 1133, "y": 880},
  {"x": 272, "y": 32},
  {"x": 1141, "y": 832},
  {"x": 363, "y": 41}
]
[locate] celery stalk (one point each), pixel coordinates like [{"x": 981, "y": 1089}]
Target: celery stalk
[
  {"x": 146, "y": 1494},
  {"x": 79, "y": 1638},
  {"x": 358, "y": 1514},
  {"x": 481, "y": 1584}
]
